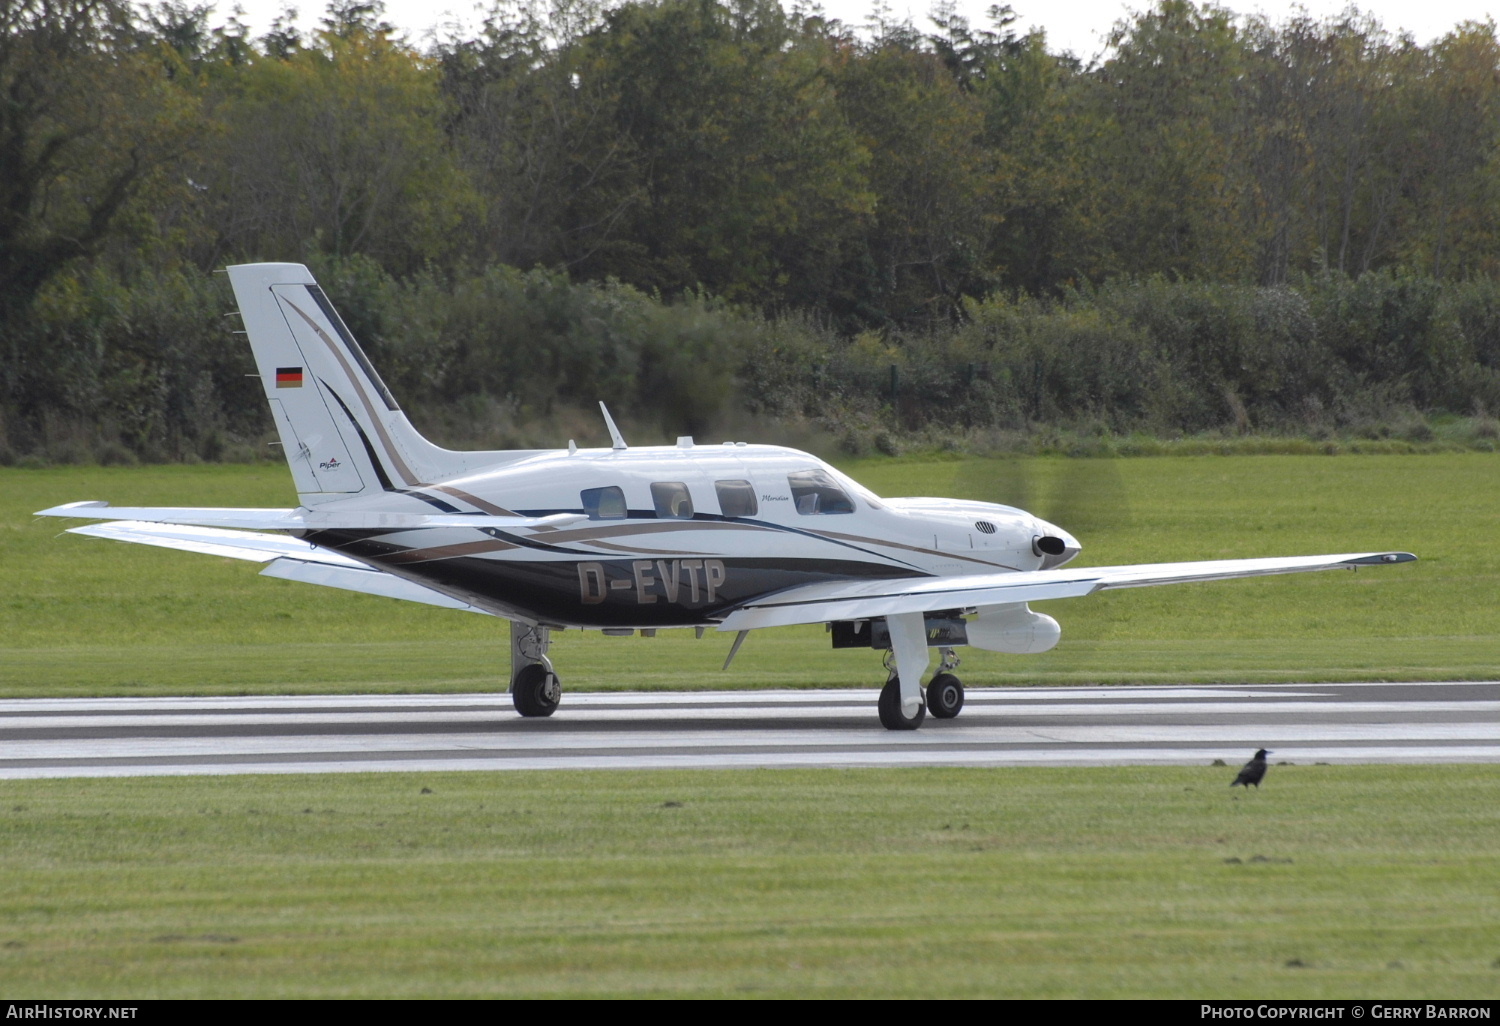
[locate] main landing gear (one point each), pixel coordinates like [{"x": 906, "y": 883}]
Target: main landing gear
[
  {"x": 902, "y": 704},
  {"x": 892, "y": 715},
  {"x": 945, "y": 698},
  {"x": 535, "y": 687},
  {"x": 945, "y": 692}
]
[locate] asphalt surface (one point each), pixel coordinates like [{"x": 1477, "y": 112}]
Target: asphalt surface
[{"x": 1333, "y": 723}]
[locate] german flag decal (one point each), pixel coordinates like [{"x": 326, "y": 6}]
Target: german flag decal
[{"x": 288, "y": 377}]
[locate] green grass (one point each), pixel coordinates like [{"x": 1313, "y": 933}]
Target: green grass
[
  {"x": 1347, "y": 881},
  {"x": 1332, "y": 881},
  {"x": 82, "y": 616}
]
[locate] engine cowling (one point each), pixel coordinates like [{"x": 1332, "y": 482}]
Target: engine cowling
[{"x": 1014, "y": 629}]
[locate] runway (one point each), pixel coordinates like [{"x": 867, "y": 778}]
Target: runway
[{"x": 1333, "y": 723}]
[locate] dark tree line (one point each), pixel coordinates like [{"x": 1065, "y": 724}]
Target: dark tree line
[{"x": 768, "y": 210}]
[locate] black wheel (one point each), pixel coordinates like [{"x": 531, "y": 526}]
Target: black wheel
[
  {"x": 891, "y": 715},
  {"x": 536, "y": 691},
  {"x": 945, "y": 696}
]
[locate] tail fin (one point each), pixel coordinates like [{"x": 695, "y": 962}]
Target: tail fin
[{"x": 342, "y": 431}]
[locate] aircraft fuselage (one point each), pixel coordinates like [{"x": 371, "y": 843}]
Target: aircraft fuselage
[{"x": 674, "y": 536}]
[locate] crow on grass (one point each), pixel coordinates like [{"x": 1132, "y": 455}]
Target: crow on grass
[{"x": 1253, "y": 772}]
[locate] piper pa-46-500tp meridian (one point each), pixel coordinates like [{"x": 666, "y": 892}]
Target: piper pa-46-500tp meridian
[{"x": 730, "y": 537}]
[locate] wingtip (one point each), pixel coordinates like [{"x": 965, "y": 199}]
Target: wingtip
[
  {"x": 1383, "y": 559},
  {"x": 70, "y": 508}
]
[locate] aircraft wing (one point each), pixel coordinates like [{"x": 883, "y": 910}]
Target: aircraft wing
[
  {"x": 289, "y": 558},
  {"x": 303, "y": 519},
  {"x": 860, "y": 600}
]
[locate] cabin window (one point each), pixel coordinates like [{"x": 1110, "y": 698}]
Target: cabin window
[
  {"x": 736, "y": 498},
  {"x": 604, "y": 503},
  {"x": 815, "y": 491},
  {"x": 672, "y": 500}
]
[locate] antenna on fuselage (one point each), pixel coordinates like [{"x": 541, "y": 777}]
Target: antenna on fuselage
[
  {"x": 739, "y": 639},
  {"x": 616, "y": 438}
]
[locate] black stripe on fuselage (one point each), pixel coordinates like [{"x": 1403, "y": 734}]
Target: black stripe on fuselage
[
  {"x": 432, "y": 500},
  {"x": 588, "y": 536},
  {"x": 615, "y": 592},
  {"x": 367, "y": 545}
]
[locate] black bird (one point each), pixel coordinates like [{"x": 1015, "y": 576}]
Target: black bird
[{"x": 1254, "y": 771}]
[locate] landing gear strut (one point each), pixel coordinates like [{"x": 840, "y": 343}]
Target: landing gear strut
[
  {"x": 901, "y": 706},
  {"x": 535, "y": 688}
]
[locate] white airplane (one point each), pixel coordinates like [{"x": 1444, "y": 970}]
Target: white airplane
[{"x": 730, "y": 537}]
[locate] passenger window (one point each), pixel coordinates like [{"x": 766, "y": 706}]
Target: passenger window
[
  {"x": 736, "y": 498},
  {"x": 815, "y": 491},
  {"x": 672, "y": 500},
  {"x": 604, "y": 503}
]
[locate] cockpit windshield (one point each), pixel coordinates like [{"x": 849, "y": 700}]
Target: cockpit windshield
[{"x": 815, "y": 492}]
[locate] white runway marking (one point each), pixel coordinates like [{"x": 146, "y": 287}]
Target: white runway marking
[
  {"x": 1336, "y": 723},
  {"x": 852, "y": 696},
  {"x": 973, "y": 709}
]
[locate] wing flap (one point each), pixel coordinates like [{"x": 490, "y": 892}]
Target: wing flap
[
  {"x": 362, "y": 579},
  {"x": 858, "y": 600}
]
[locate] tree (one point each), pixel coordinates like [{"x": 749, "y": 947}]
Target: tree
[
  {"x": 748, "y": 181},
  {"x": 533, "y": 123},
  {"x": 87, "y": 118},
  {"x": 916, "y": 114},
  {"x": 336, "y": 148},
  {"x": 1353, "y": 73},
  {"x": 1453, "y": 226},
  {"x": 1165, "y": 161}
]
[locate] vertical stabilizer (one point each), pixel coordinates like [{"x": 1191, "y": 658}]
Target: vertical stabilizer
[{"x": 343, "y": 433}]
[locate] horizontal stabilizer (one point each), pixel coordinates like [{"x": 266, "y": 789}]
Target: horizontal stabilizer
[
  {"x": 862, "y": 600},
  {"x": 214, "y": 516},
  {"x": 290, "y": 559},
  {"x": 213, "y": 541},
  {"x": 305, "y": 519}
]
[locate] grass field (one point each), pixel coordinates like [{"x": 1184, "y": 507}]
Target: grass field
[
  {"x": 1347, "y": 881},
  {"x": 1333, "y": 881},
  {"x": 81, "y": 616}
]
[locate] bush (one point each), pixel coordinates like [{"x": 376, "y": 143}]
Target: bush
[{"x": 114, "y": 366}]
